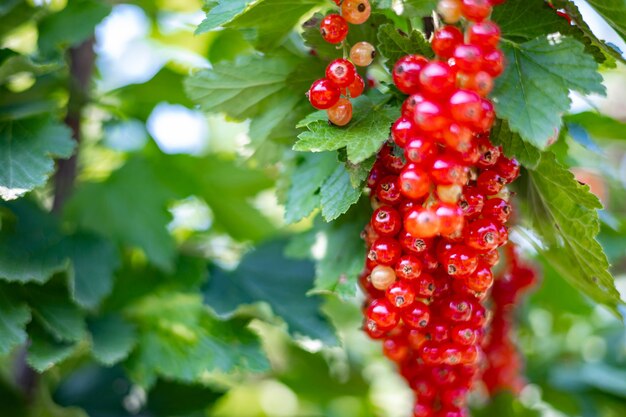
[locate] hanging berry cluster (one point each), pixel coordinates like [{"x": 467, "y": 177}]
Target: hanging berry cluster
[
  {"x": 342, "y": 82},
  {"x": 441, "y": 207},
  {"x": 504, "y": 362}
]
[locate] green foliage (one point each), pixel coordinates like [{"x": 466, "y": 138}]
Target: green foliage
[
  {"x": 285, "y": 290},
  {"x": 614, "y": 12},
  {"x": 113, "y": 339},
  {"x": 533, "y": 91},
  {"x": 27, "y": 149},
  {"x": 514, "y": 146},
  {"x": 15, "y": 314},
  {"x": 393, "y": 44}
]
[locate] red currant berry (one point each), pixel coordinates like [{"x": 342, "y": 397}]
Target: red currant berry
[
  {"x": 451, "y": 218},
  {"x": 414, "y": 182},
  {"x": 493, "y": 62},
  {"x": 385, "y": 251},
  {"x": 489, "y": 153},
  {"x": 465, "y": 107},
  {"x": 445, "y": 40},
  {"x": 416, "y": 316},
  {"x": 375, "y": 175},
  {"x": 507, "y": 168},
  {"x": 413, "y": 244},
  {"x": 430, "y": 116},
  {"x": 468, "y": 58},
  {"x": 425, "y": 285},
  {"x": 422, "y": 222},
  {"x": 408, "y": 107},
  {"x": 341, "y": 72},
  {"x": 408, "y": 267},
  {"x": 476, "y": 10},
  {"x": 388, "y": 190},
  {"x": 323, "y": 94},
  {"x": 481, "y": 280},
  {"x": 478, "y": 316},
  {"x": 438, "y": 330},
  {"x": 381, "y": 315},
  {"x": 341, "y": 113},
  {"x": 497, "y": 209},
  {"x": 446, "y": 170},
  {"x": 403, "y": 130},
  {"x": 386, "y": 221},
  {"x": 430, "y": 352},
  {"x": 420, "y": 150},
  {"x": 356, "y": 11},
  {"x": 334, "y": 28},
  {"x": 471, "y": 202},
  {"x": 400, "y": 294},
  {"x": 485, "y": 35},
  {"x": 463, "y": 334},
  {"x": 356, "y": 88},
  {"x": 396, "y": 349},
  {"x": 480, "y": 82},
  {"x": 482, "y": 235},
  {"x": 437, "y": 78},
  {"x": 485, "y": 123},
  {"x": 490, "y": 258},
  {"x": 489, "y": 182},
  {"x": 423, "y": 410},
  {"x": 457, "y": 309},
  {"x": 458, "y": 137},
  {"x": 406, "y": 73},
  {"x": 460, "y": 261}
]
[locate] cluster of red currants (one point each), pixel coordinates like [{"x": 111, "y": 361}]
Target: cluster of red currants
[
  {"x": 504, "y": 362},
  {"x": 342, "y": 82},
  {"x": 441, "y": 204}
]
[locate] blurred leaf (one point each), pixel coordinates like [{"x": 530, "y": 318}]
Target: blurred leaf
[
  {"x": 14, "y": 315},
  {"x": 337, "y": 194},
  {"x": 179, "y": 339},
  {"x": 55, "y": 312},
  {"x": 72, "y": 25},
  {"x": 359, "y": 172},
  {"x": 363, "y": 137},
  {"x": 418, "y": 8},
  {"x": 505, "y": 405},
  {"x": 513, "y": 145},
  {"x": 44, "y": 351},
  {"x": 113, "y": 339},
  {"x": 614, "y": 12},
  {"x": 534, "y": 89},
  {"x": 130, "y": 207},
  {"x": 223, "y": 12},
  {"x": 266, "y": 275},
  {"x": 598, "y": 125},
  {"x": 226, "y": 188},
  {"x": 393, "y": 44},
  {"x": 564, "y": 213},
  {"x": 45, "y": 97},
  {"x": 14, "y": 13},
  {"x": 27, "y": 149},
  {"x": 12, "y": 63}
]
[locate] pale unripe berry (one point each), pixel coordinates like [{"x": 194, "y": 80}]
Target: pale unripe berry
[
  {"x": 341, "y": 113},
  {"x": 449, "y": 193},
  {"x": 362, "y": 54},
  {"x": 356, "y": 11},
  {"x": 382, "y": 277},
  {"x": 450, "y": 10}
]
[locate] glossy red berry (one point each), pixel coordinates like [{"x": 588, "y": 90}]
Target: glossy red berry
[
  {"x": 458, "y": 137},
  {"x": 396, "y": 349},
  {"x": 457, "y": 309},
  {"x": 408, "y": 267},
  {"x": 381, "y": 315},
  {"x": 323, "y": 94},
  {"x": 406, "y": 73},
  {"x": 481, "y": 280},
  {"x": 467, "y": 57},
  {"x": 480, "y": 82},
  {"x": 356, "y": 88},
  {"x": 445, "y": 40},
  {"x": 430, "y": 116},
  {"x": 425, "y": 285},
  {"x": 472, "y": 201},
  {"x": 476, "y": 10},
  {"x": 386, "y": 221},
  {"x": 437, "y": 78},
  {"x": 422, "y": 222},
  {"x": 414, "y": 182},
  {"x": 334, "y": 28},
  {"x": 485, "y": 35},
  {"x": 493, "y": 62},
  {"x": 403, "y": 130},
  {"x": 388, "y": 190},
  {"x": 485, "y": 123},
  {"x": 460, "y": 261},
  {"x": 465, "y": 107},
  {"x": 408, "y": 106},
  {"x": 420, "y": 150},
  {"x": 489, "y": 153},
  {"x": 497, "y": 209},
  {"x": 463, "y": 334},
  {"x": 446, "y": 169},
  {"x": 482, "y": 235},
  {"x": 385, "y": 251},
  {"x": 341, "y": 72},
  {"x": 416, "y": 316},
  {"x": 489, "y": 182},
  {"x": 417, "y": 245},
  {"x": 451, "y": 218},
  {"x": 400, "y": 294},
  {"x": 507, "y": 168}
]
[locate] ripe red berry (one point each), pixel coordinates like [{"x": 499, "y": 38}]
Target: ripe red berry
[
  {"x": 476, "y": 10},
  {"x": 381, "y": 315},
  {"x": 507, "y": 168},
  {"x": 400, "y": 294},
  {"x": 451, "y": 218},
  {"x": 485, "y": 35},
  {"x": 489, "y": 182},
  {"x": 408, "y": 106},
  {"x": 460, "y": 261},
  {"x": 497, "y": 209},
  {"x": 481, "y": 280},
  {"x": 388, "y": 190},
  {"x": 414, "y": 182},
  {"x": 437, "y": 78},
  {"x": 420, "y": 150},
  {"x": 403, "y": 130},
  {"x": 463, "y": 334},
  {"x": 472, "y": 201},
  {"x": 465, "y": 107},
  {"x": 385, "y": 251},
  {"x": 485, "y": 123},
  {"x": 457, "y": 309},
  {"x": 417, "y": 245},
  {"x": 493, "y": 62},
  {"x": 356, "y": 88},
  {"x": 482, "y": 235},
  {"x": 334, "y": 28},
  {"x": 425, "y": 285},
  {"x": 458, "y": 137},
  {"x": 396, "y": 349},
  {"x": 341, "y": 72},
  {"x": 468, "y": 58},
  {"x": 422, "y": 222},
  {"x": 386, "y": 221},
  {"x": 480, "y": 82},
  {"x": 408, "y": 267},
  {"x": 446, "y": 169},
  {"x": 430, "y": 116},
  {"x": 416, "y": 316},
  {"x": 406, "y": 73},
  {"x": 323, "y": 94},
  {"x": 445, "y": 40},
  {"x": 489, "y": 153}
]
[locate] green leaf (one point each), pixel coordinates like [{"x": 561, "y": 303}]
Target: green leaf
[
  {"x": 29, "y": 245},
  {"x": 393, "y": 44},
  {"x": 94, "y": 261},
  {"x": 363, "y": 137},
  {"x": 359, "y": 172},
  {"x": 179, "y": 339},
  {"x": 418, "y": 8},
  {"x": 14, "y": 315},
  {"x": 44, "y": 351},
  {"x": 72, "y": 25},
  {"x": 564, "y": 213},
  {"x": 266, "y": 275},
  {"x": 270, "y": 20},
  {"x": 12, "y": 63},
  {"x": 598, "y": 125},
  {"x": 534, "y": 89},
  {"x": 55, "y": 312},
  {"x": 304, "y": 193},
  {"x": 513, "y": 145},
  {"x": 27, "y": 149},
  {"x": 224, "y": 186},
  {"x": 223, "y": 12},
  {"x": 113, "y": 339},
  {"x": 139, "y": 215},
  {"x": 614, "y": 12},
  {"x": 505, "y": 404},
  {"x": 337, "y": 194}
]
